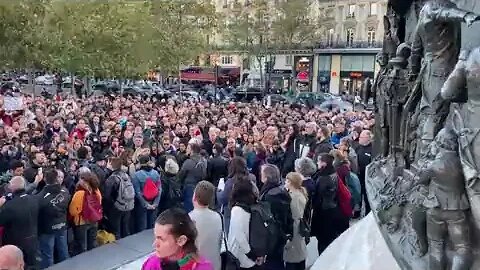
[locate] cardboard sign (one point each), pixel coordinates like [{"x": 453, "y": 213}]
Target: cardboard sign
[{"x": 13, "y": 103}]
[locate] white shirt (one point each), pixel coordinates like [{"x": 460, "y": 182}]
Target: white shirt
[
  {"x": 209, "y": 239},
  {"x": 238, "y": 236}
]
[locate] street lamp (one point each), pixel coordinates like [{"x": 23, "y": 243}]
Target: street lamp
[{"x": 216, "y": 80}]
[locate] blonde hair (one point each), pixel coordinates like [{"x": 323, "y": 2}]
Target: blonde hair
[{"x": 296, "y": 181}]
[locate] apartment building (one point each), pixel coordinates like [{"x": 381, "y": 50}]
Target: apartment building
[{"x": 351, "y": 34}]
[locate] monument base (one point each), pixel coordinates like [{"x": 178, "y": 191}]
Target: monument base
[{"x": 361, "y": 247}]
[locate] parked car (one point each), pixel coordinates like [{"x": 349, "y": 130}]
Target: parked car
[
  {"x": 107, "y": 86},
  {"x": 343, "y": 106},
  {"x": 46, "y": 79},
  {"x": 135, "y": 90},
  {"x": 273, "y": 99}
]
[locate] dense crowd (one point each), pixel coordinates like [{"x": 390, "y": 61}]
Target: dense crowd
[{"x": 74, "y": 170}]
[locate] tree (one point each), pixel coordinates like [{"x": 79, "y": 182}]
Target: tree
[
  {"x": 294, "y": 28},
  {"x": 92, "y": 38},
  {"x": 249, "y": 29},
  {"x": 21, "y": 44},
  {"x": 183, "y": 28}
]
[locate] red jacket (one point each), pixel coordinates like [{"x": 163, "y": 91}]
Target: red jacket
[{"x": 79, "y": 134}]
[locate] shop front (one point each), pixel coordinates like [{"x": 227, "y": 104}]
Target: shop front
[
  {"x": 324, "y": 73},
  {"x": 355, "y": 70},
  {"x": 303, "y": 71},
  {"x": 280, "y": 80},
  {"x": 352, "y": 81}
]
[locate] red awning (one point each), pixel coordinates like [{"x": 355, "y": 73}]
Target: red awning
[{"x": 206, "y": 77}]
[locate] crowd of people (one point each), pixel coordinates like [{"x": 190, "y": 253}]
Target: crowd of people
[{"x": 204, "y": 176}]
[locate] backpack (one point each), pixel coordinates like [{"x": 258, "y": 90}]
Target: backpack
[
  {"x": 150, "y": 189},
  {"x": 126, "y": 194},
  {"x": 174, "y": 192},
  {"x": 263, "y": 229},
  {"x": 92, "y": 208},
  {"x": 344, "y": 198},
  {"x": 202, "y": 165},
  {"x": 354, "y": 187}
]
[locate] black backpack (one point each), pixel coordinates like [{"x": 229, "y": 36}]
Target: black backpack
[
  {"x": 264, "y": 230},
  {"x": 174, "y": 195}
]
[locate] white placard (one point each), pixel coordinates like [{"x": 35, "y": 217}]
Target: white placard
[{"x": 12, "y": 103}]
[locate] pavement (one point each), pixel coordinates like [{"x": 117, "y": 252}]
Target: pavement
[{"x": 126, "y": 254}]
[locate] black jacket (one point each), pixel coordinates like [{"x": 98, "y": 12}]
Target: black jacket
[
  {"x": 364, "y": 157},
  {"x": 193, "y": 170},
  {"x": 322, "y": 147},
  {"x": 326, "y": 189},
  {"x": 53, "y": 203},
  {"x": 19, "y": 217},
  {"x": 276, "y": 158},
  {"x": 217, "y": 168},
  {"x": 181, "y": 158}
]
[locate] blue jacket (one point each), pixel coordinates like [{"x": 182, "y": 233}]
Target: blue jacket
[{"x": 138, "y": 182}]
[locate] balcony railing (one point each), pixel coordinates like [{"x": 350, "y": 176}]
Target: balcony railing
[{"x": 347, "y": 45}]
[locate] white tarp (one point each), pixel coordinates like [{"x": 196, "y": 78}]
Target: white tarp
[{"x": 361, "y": 247}]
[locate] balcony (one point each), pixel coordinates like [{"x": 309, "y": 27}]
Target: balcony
[{"x": 348, "y": 45}]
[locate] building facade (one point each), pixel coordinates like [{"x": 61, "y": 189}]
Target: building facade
[{"x": 351, "y": 34}]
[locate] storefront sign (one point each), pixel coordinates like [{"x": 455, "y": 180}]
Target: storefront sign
[
  {"x": 356, "y": 74},
  {"x": 334, "y": 74}
]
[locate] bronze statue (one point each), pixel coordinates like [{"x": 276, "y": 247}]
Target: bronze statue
[
  {"x": 397, "y": 95},
  {"x": 447, "y": 205},
  {"x": 379, "y": 100},
  {"x": 424, "y": 207},
  {"x": 391, "y": 41},
  {"x": 437, "y": 45},
  {"x": 464, "y": 82}
]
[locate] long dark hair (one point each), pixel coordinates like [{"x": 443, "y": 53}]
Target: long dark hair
[
  {"x": 296, "y": 132},
  {"x": 181, "y": 225},
  {"x": 237, "y": 168},
  {"x": 242, "y": 193}
]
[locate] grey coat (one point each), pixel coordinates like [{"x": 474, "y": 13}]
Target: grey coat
[
  {"x": 296, "y": 250},
  {"x": 193, "y": 170}
]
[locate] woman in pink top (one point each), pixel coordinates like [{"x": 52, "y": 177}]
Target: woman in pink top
[{"x": 174, "y": 243}]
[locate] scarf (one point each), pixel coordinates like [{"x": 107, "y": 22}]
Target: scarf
[{"x": 188, "y": 262}]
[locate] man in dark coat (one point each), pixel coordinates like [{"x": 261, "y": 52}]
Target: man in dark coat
[
  {"x": 279, "y": 199},
  {"x": 325, "y": 205},
  {"x": 364, "y": 157},
  {"x": 19, "y": 217},
  {"x": 53, "y": 203},
  {"x": 217, "y": 166}
]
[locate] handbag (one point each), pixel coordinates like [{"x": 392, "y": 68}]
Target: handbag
[
  {"x": 304, "y": 228},
  {"x": 229, "y": 261}
]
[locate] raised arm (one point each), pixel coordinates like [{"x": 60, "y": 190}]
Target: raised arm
[{"x": 455, "y": 86}]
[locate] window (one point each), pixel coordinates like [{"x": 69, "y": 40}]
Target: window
[
  {"x": 364, "y": 63},
  {"x": 288, "y": 60},
  {"x": 225, "y": 3},
  {"x": 324, "y": 62},
  {"x": 227, "y": 60},
  {"x": 350, "y": 36},
  {"x": 330, "y": 37},
  {"x": 373, "y": 9},
  {"x": 371, "y": 37},
  {"x": 351, "y": 11}
]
